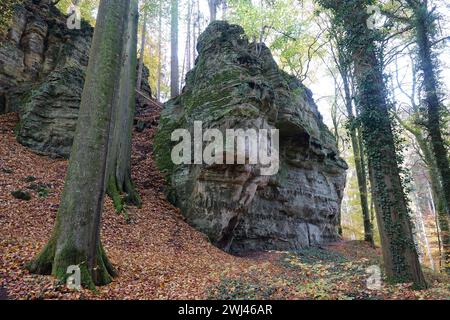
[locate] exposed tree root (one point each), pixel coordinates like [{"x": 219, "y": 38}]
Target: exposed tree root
[
  {"x": 132, "y": 197},
  {"x": 114, "y": 194},
  {"x": 48, "y": 263}
]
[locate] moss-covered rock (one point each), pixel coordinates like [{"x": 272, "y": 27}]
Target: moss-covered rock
[
  {"x": 21, "y": 195},
  {"x": 237, "y": 85},
  {"x": 42, "y": 71}
]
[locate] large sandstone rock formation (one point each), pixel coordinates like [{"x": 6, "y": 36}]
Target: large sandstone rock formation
[
  {"x": 42, "y": 65},
  {"x": 236, "y": 84}
]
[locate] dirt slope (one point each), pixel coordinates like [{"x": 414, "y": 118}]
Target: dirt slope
[{"x": 157, "y": 254}]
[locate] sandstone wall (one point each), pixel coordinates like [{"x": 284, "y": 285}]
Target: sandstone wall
[
  {"x": 42, "y": 70},
  {"x": 236, "y": 84}
]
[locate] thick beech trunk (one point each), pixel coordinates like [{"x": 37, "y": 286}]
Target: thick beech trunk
[{"x": 76, "y": 235}]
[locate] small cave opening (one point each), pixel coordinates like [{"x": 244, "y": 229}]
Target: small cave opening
[{"x": 227, "y": 235}]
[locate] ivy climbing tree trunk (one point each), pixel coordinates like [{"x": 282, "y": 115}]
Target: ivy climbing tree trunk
[
  {"x": 399, "y": 253},
  {"x": 436, "y": 190},
  {"x": 119, "y": 158},
  {"x": 76, "y": 235},
  {"x": 359, "y": 161},
  {"x": 343, "y": 63},
  {"x": 423, "y": 23}
]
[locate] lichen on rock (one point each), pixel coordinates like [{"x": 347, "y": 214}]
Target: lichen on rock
[{"x": 238, "y": 85}]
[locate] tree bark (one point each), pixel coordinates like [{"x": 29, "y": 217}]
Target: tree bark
[
  {"x": 399, "y": 253},
  {"x": 437, "y": 193},
  {"x": 359, "y": 163},
  {"x": 174, "y": 76},
  {"x": 141, "y": 55},
  {"x": 119, "y": 159},
  {"x": 212, "y": 10},
  {"x": 158, "y": 96},
  {"x": 422, "y": 18},
  {"x": 76, "y": 235},
  {"x": 195, "y": 30},
  {"x": 188, "y": 37}
]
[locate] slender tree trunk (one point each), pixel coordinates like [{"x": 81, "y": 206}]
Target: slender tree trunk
[
  {"x": 399, "y": 253},
  {"x": 195, "y": 30},
  {"x": 187, "y": 49},
  {"x": 119, "y": 158},
  {"x": 212, "y": 10},
  {"x": 423, "y": 25},
  {"x": 76, "y": 235},
  {"x": 158, "y": 96},
  {"x": 437, "y": 193},
  {"x": 174, "y": 76},
  {"x": 141, "y": 55},
  {"x": 224, "y": 9},
  {"x": 425, "y": 237},
  {"x": 439, "y": 202},
  {"x": 188, "y": 37},
  {"x": 359, "y": 160}
]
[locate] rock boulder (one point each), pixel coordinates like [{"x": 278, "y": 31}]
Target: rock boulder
[{"x": 237, "y": 85}]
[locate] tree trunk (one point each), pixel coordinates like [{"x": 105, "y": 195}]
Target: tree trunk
[
  {"x": 224, "y": 10},
  {"x": 437, "y": 193},
  {"x": 195, "y": 30},
  {"x": 76, "y": 236},
  {"x": 174, "y": 76},
  {"x": 423, "y": 232},
  {"x": 399, "y": 253},
  {"x": 439, "y": 204},
  {"x": 430, "y": 85},
  {"x": 188, "y": 37},
  {"x": 119, "y": 158},
  {"x": 158, "y": 96},
  {"x": 141, "y": 55},
  {"x": 358, "y": 156},
  {"x": 212, "y": 10}
]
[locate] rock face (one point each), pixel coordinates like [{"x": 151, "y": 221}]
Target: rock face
[
  {"x": 238, "y": 85},
  {"x": 42, "y": 65}
]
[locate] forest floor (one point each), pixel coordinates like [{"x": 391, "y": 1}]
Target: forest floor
[{"x": 158, "y": 255}]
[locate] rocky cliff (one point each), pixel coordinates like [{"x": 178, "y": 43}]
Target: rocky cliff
[
  {"x": 42, "y": 65},
  {"x": 236, "y": 84}
]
